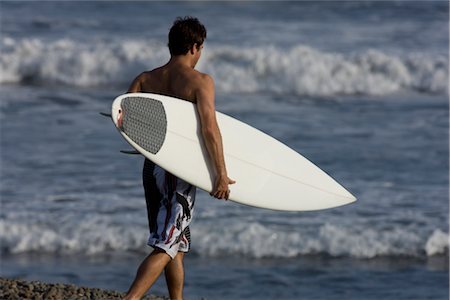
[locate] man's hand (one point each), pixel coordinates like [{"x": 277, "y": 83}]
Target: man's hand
[{"x": 221, "y": 190}]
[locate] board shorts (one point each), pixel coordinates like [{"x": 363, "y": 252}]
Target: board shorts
[{"x": 170, "y": 206}]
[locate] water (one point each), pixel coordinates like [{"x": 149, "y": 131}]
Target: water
[{"x": 358, "y": 88}]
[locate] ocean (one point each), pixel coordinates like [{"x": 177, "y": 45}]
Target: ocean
[{"x": 359, "y": 88}]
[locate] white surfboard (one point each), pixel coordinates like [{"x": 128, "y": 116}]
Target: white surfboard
[{"x": 268, "y": 173}]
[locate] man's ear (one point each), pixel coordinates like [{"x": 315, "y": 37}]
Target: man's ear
[{"x": 192, "y": 48}]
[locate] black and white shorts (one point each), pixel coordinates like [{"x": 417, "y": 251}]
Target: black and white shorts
[{"x": 170, "y": 206}]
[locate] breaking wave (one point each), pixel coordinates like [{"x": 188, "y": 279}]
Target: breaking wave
[
  {"x": 99, "y": 235},
  {"x": 300, "y": 70},
  {"x": 259, "y": 241}
]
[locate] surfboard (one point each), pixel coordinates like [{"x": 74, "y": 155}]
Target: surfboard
[{"x": 268, "y": 173}]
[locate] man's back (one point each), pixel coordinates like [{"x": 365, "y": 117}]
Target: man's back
[{"x": 176, "y": 81}]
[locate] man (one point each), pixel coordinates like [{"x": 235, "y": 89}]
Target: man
[{"x": 170, "y": 200}]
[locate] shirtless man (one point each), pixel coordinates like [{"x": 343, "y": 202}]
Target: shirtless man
[{"x": 170, "y": 200}]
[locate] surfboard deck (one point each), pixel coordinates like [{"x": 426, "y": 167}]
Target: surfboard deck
[{"x": 268, "y": 174}]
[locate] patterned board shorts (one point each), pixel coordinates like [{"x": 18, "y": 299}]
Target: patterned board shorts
[{"x": 170, "y": 205}]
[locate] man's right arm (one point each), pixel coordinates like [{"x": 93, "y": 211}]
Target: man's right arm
[{"x": 211, "y": 136}]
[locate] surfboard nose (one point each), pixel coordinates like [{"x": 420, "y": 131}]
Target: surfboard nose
[
  {"x": 351, "y": 198},
  {"x": 344, "y": 193},
  {"x": 339, "y": 197}
]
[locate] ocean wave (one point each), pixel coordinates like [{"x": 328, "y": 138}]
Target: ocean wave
[
  {"x": 437, "y": 243},
  {"x": 258, "y": 241},
  {"x": 299, "y": 70},
  {"x": 89, "y": 236},
  {"x": 98, "y": 235}
]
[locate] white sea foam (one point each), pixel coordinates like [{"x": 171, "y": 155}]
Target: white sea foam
[
  {"x": 92, "y": 236},
  {"x": 256, "y": 240},
  {"x": 68, "y": 62},
  {"x": 438, "y": 243},
  {"x": 300, "y": 70},
  {"x": 100, "y": 234}
]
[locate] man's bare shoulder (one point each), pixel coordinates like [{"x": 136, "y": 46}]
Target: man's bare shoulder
[
  {"x": 149, "y": 80},
  {"x": 204, "y": 91},
  {"x": 146, "y": 75},
  {"x": 203, "y": 80},
  {"x": 207, "y": 78}
]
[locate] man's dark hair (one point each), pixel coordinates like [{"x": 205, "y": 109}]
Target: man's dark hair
[{"x": 186, "y": 32}]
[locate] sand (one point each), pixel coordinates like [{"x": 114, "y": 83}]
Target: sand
[{"x": 21, "y": 289}]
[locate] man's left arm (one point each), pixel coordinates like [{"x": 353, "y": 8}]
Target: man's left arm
[{"x": 135, "y": 86}]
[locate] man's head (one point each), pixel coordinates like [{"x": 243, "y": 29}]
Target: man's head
[{"x": 184, "y": 34}]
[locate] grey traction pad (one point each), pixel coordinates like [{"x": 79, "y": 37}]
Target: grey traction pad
[{"x": 145, "y": 122}]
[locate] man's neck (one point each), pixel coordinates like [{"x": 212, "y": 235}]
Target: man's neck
[{"x": 181, "y": 60}]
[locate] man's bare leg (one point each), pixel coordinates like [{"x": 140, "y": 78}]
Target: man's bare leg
[
  {"x": 148, "y": 272},
  {"x": 174, "y": 272}
]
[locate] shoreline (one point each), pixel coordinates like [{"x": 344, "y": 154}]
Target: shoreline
[{"x": 11, "y": 288}]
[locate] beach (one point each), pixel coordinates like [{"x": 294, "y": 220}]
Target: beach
[
  {"x": 358, "y": 88},
  {"x": 11, "y": 289}
]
